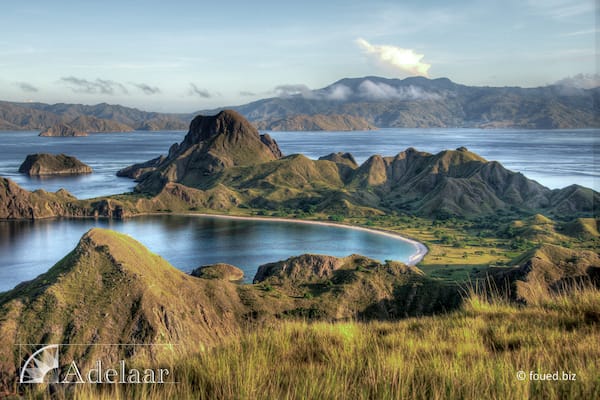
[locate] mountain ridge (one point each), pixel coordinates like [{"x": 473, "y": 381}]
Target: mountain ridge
[{"x": 414, "y": 102}]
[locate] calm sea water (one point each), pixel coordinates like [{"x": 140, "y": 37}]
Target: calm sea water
[
  {"x": 555, "y": 158},
  {"x": 28, "y": 249}
]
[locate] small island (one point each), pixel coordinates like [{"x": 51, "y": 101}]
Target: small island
[
  {"x": 221, "y": 271},
  {"x": 51, "y": 164}
]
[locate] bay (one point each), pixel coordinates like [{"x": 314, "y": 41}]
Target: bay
[{"x": 29, "y": 248}]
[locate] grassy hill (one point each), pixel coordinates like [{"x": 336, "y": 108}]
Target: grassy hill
[{"x": 298, "y": 332}]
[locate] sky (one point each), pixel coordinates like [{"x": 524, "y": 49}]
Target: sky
[{"x": 184, "y": 56}]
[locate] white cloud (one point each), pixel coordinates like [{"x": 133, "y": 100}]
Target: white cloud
[
  {"x": 406, "y": 60},
  {"x": 291, "y": 90},
  {"x": 581, "y": 81},
  {"x": 382, "y": 91},
  {"x": 338, "y": 92}
]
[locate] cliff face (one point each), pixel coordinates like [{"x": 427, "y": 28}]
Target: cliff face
[
  {"x": 50, "y": 164},
  {"x": 212, "y": 144}
]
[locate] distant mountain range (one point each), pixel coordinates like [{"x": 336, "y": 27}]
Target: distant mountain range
[
  {"x": 97, "y": 118},
  {"x": 349, "y": 104},
  {"x": 419, "y": 102}
]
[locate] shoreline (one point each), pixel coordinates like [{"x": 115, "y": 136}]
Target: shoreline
[{"x": 421, "y": 249}]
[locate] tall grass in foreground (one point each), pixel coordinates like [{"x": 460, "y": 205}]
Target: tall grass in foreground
[{"x": 474, "y": 353}]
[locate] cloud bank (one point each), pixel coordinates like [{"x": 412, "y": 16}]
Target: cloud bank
[
  {"x": 366, "y": 90},
  {"x": 580, "y": 81},
  {"x": 382, "y": 91},
  {"x": 405, "y": 60}
]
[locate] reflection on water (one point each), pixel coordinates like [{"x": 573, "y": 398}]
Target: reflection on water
[{"x": 28, "y": 248}]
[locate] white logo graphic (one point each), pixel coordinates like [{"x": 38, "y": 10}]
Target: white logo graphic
[
  {"x": 43, "y": 367},
  {"x": 39, "y": 364}
]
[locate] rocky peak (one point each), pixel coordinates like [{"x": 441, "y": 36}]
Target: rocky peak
[
  {"x": 213, "y": 143},
  {"x": 227, "y": 122}
]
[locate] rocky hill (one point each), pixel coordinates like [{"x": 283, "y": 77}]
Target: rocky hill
[
  {"x": 213, "y": 143},
  {"x": 111, "y": 289},
  {"x": 225, "y": 153},
  {"x": 317, "y": 122},
  {"x": 547, "y": 269},
  {"x": 51, "y": 164},
  {"x": 418, "y": 102}
]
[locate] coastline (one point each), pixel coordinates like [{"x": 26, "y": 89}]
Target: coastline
[{"x": 421, "y": 249}]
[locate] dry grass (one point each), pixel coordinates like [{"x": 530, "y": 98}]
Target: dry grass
[{"x": 473, "y": 353}]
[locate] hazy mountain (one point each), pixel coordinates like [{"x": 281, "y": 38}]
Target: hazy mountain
[
  {"x": 357, "y": 103},
  {"x": 422, "y": 102},
  {"x": 96, "y": 118}
]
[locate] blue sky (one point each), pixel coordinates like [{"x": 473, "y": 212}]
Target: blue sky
[{"x": 184, "y": 56}]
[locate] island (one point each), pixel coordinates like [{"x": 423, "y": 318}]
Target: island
[{"x": 51, "y": 164}]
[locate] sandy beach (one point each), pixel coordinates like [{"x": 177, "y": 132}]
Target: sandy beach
[{"x": 421, "y": 249}]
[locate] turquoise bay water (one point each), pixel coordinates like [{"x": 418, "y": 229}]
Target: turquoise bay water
[{"x": 28, "y": 249}]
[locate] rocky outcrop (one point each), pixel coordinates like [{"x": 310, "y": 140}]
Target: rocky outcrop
[
  {"x": 547, "y": 269},
  {"x": 319, "y": 122},
  {"x": 62, "y": 130},
  {"x": 213, "y": 143},
  {"x": 50, "y": 164},
  {"x": 221, "y": 271},
  {"x": 308, "y": 268}
]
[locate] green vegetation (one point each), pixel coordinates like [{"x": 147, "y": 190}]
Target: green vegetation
[
  {"x": 319, "y": 326},
  {"x": 473, "y": 353}
]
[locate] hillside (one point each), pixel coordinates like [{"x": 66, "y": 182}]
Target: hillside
[
  {"x": 355, "y": 103},
  {"x": 317, "y": 122},
  {"x": 75, "y": 301},
  {"x": 226, "y": 151},
  {"x": 111, "y": 289},
  {"x": 97, "y": 118},
  {"x": 418, "y": 102}
]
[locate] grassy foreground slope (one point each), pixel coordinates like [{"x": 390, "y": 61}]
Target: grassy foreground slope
[
  {"x": 473, "y": 353},
  {"x": 315, "y": 327}
]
